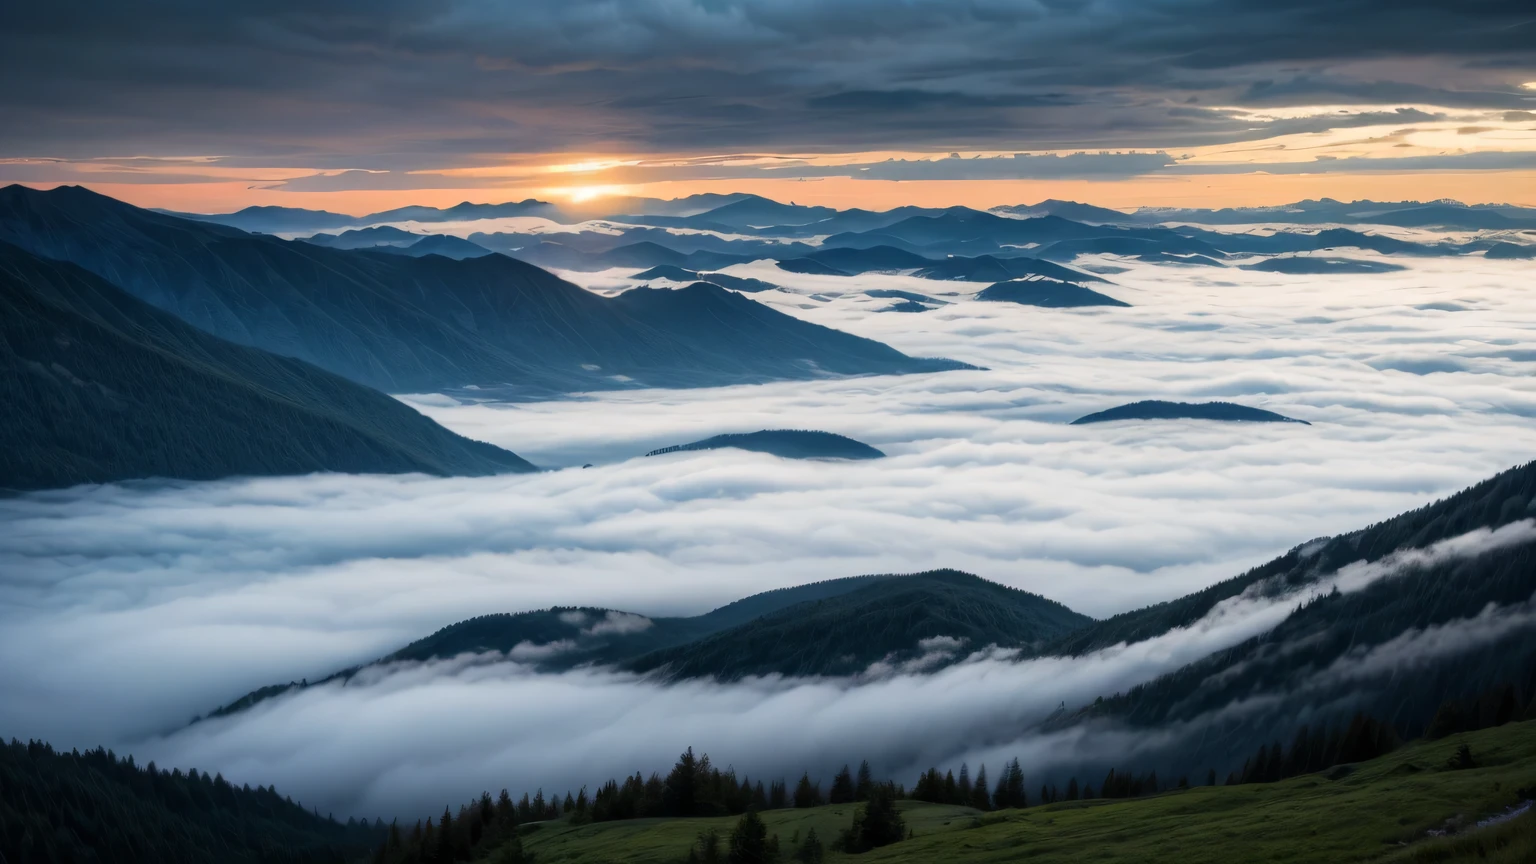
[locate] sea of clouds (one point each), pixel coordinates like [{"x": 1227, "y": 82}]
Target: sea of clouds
[{"x": 127, "y": 609}]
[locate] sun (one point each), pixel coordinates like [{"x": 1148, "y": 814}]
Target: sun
[{"x": 587, "y": 193}]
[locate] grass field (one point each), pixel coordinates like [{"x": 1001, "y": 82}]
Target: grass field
[{"x": 1382, "y": 810}]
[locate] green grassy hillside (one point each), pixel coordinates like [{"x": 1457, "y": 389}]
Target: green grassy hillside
[{"x": 1378, "y": 811}]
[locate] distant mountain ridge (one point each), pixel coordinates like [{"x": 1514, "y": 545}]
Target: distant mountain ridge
[
  {"x": 1407, "y": 214},
  {"x": 1156, "y": 409},
  {"x": 408, "y": 324},
  {"x": 787, "y": 443},
  {"x": 297, "y": 220},
  {"x": 1046, "y": 292},
  {"x": 724, "y": 280}
]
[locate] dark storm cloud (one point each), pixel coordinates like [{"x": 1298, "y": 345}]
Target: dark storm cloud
[{"x": 399, "y": 84}]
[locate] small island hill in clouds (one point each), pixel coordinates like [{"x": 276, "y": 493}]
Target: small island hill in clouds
[{"x": 760, "y": 432}]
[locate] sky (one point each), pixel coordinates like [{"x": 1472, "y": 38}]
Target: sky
[{"x": 358, "y": 106}]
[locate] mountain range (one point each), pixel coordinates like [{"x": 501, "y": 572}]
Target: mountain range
[
  {"x": 709, "y": 232},
  {"x": 405, "y": 324},
  {"x": 765, "y": 217}
]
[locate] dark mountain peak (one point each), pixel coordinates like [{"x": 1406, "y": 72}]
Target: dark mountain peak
[
  {"x": 1047, "y": 292},
  {"x": 785, "y": 443},
  {"x": 1321, "y": 265},
  {"x": 670, "y": 272},
  {"x": 912, "y": 623},
  {"x": 869, "y": 259},
  {"x": 448, "y": 246},
  {"x": 1155, "y": 409},
  {"x": 810, "y": 267},
  {"x": 699, "y": 293},
  {"x": 756, "y": 212}
]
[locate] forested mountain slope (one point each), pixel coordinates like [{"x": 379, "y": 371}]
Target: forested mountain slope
[
  {"x": 100, "y": 386},
  {"x": 93, "y": 806}
]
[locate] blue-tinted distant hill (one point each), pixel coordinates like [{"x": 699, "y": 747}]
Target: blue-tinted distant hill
[
  {"x": 365, "y": 238},
  {"x": 1510, "y": 252},
  {"x": 727, "y": 330},
  {"x": 1154, "y": 409},
  {"x": 810, "y": 267},
  {"x": 466, "y": 211},
  {"x": 724, "y": 280},
  {"x": 1068, "y": 210},
  {"x": 754, "y": 211},
  {"x": 1043, "y": 291},
  {"x": 788, "y": 443},
  {"x": 274, "y": 220},
  {"x": 404, "y": 324},
  {"x": 445, "y": 245},
  {"x": 1408, "y": 214},
  {"x": 296, "y": 220},
  {"x": 99, "y": 386},
  {"x": 911, "y": 296},
  {"x": 1322, "y": 266}
]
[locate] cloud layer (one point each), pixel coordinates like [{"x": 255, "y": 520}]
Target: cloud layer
[
  {"x": 400, "y": 739},
  {"x": 125, "y": 610}
]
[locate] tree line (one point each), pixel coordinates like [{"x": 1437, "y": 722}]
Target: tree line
[{"x": 58, "y": 806}]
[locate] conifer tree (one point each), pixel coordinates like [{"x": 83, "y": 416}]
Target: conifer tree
[
  {"x": 842, "y": 788},
  {"x": 445, "y": 838},
  {"x": 749, "y": 840},
  {"x": 876, "y": 822},
  {"x": 810, "y": 850},
  {"x": 708, "y": 847},
  {"x": 981, "y": 796},
  {"x": 807, "y": 794},
  {"x": 865, "y": 783}
]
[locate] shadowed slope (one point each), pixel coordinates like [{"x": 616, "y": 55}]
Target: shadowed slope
[
  {"x": 916, "y": 622},
  {"x": 100, "y": 387}
]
